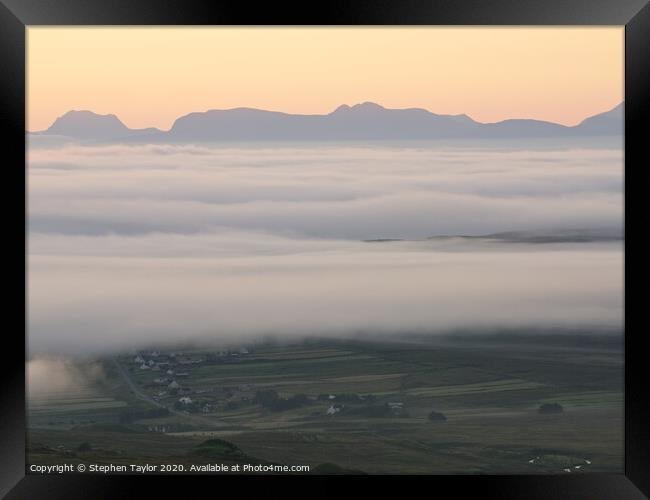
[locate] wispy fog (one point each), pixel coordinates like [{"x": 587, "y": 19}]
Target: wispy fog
[
  {"x": 50, "y": 376},
  {"x": 139, "y": 244}
]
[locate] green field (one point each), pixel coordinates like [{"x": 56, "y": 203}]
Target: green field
[{"x": 489, "y": 389}]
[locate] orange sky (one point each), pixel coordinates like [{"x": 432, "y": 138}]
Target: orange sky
[{"x": 148, "y": 76}]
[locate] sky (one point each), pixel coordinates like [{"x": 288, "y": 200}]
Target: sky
[{"x": 149, "y": 76}]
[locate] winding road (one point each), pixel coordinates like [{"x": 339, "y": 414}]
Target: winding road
[{"x": 140, "y": 394}]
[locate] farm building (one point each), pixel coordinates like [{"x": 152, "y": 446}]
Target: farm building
[{"x": 334, "y": 409}]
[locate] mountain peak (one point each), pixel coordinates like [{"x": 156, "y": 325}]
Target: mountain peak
[
  {"x": 368, "y": 106},
  {"x": 341, "y": 109},
  {"x": 363, "y": 106},
  {"x": 87, "y": 124},
  {"x": 85, "y": 113}
]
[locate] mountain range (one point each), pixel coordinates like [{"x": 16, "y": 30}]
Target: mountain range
[{"x": 366, "y": 122}]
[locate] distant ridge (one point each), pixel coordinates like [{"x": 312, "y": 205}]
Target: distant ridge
[
  {"x": 604, "y": 123},
  {"x": 364, "y": 121},
  {"x": 88, "y": 125}
]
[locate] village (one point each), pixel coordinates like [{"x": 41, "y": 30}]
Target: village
[
  {"x": 172, "y": 370},
  {"x": 169, "y": 379}
]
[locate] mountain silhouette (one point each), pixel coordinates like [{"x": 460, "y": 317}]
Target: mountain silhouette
[
  {"x": 365, "y": 121},
  {"x": 88, "y": 125},
  {"x": 604, "y": 123}
]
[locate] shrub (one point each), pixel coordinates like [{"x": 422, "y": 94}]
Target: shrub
[
  {"x": 373, "y": 411},
  {"x": 299, "y": 400},
  {"x": 266, "y": 397},
  {"x": 85, "y": 446},
  {"x": 271, "y": 400},
  {"x": 130, "y": 416},
  {"x": 218, "y": 448},
  {"x": 348, "y": 398},
  {"x": 436, "y": 416},
  {"x": 549, "y": 408}
]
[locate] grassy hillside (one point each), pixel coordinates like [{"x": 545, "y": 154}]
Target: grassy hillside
[{"x": 354, "y": 406}]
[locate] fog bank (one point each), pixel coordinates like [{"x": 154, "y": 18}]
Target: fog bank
[{"x": 130, "y": 245}]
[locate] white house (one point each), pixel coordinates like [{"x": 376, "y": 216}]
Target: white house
[
  {"x": 138, "y": 359},
  {"x": 173, "y": 385},
  {"x": 332, "y": 410},
  {"x": 144, "y": 367},
  {"x": 186, "y": 400}
]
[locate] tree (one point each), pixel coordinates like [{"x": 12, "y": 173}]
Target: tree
[
  {"x": 299, "y": 400},
  {"x": 550, "y": 408},
  {"x": 271, "y": 400},
  {"x": 266, "y": 397},
  {"x": 436, "y": 416}
]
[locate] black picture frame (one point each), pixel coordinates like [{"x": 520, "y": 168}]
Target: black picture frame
[{"x": 15, "y": 15}]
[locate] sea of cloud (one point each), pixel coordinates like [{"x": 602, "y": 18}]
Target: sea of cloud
[{"x": 140, "y": 244}]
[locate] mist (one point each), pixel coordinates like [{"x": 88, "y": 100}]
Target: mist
[
  {"x": 133, "y": 245},
  {"x": 50, "y": 376}
]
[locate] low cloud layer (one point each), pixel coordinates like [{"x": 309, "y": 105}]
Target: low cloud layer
[
  {"x": 137, "y": 244},
  {"x": 323, "y": 192}
]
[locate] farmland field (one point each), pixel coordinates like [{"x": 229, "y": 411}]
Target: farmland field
[{"x": 362, "y": 406}]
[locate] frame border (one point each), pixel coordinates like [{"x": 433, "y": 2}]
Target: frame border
[{"x": 15, "y": 15}]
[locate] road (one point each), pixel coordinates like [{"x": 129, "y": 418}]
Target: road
[{"x": 140, "y": 394}]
